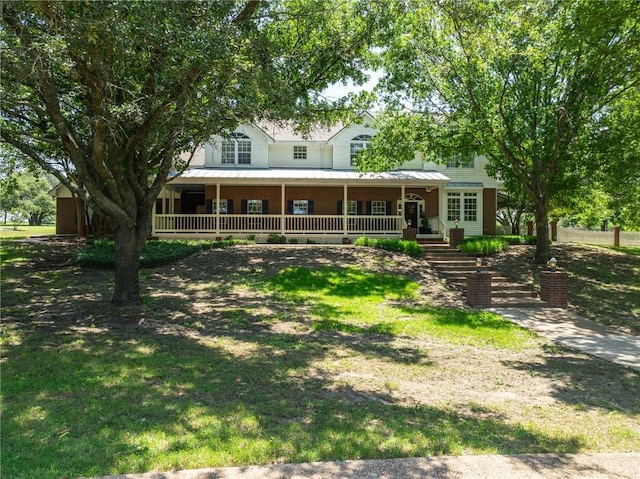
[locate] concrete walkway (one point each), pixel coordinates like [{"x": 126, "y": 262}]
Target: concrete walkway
[
  {"x": 530, "y": 466},
  {"x": 569, "y": 329}
]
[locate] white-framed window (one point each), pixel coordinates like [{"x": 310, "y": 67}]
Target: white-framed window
[
  {"x": 378, "y": 207},
  {"x": 300, "y": 207},
  {"x": 460, "y": 161},
  {"x": 471, "y": 206},
  {"x": 453, "y": 207},
  {"x": 360, "y": 142},
  {"x": 299, "y": 152},
  {"x": 352, "y": 207},
  {"x": 223, "y": 207},
  {"x": 254, "y": 207},
  {"x": 236, "y": 150}
]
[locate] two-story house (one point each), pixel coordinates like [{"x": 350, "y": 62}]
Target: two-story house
[{"x": 265, "y": 179}]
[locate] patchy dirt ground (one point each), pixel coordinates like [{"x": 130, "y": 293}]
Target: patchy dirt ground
[
  {"x": 556, "y": 392},
  {"x": 604, "y": 284}
]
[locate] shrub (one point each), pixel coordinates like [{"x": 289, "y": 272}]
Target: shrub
[
  {"x": 484, "y": 245},
  {"x": 274, "y": 238},
  {"x": 403, "y": 246},
  {"x": 510, "y": 239},
  {"x": 101, "y": 253},
  {"x": 487, "y": 245}
]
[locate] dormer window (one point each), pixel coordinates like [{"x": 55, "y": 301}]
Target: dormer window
[
  {"x": 360, "y": 142},
  {"x": 460, "y": 161},
  {"x": 236, "y": 149}
]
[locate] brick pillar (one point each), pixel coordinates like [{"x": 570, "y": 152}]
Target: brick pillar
[
  {"x": 479, "y": 289},
  {"x": 409, "y": 234},
  {"x": 554, "y": 231},
  {"x": 529, "y": 228},
  {"x": 616, "y": 236},
  {"x": 553, "y": 288},
  {"x": 456, "y": 236}
]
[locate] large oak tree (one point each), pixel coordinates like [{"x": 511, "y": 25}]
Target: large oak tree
[
  {"x": 520, "y": 82},
  {"x": 106, "y": 95}
]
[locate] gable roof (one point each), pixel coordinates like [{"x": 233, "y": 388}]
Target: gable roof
[{"x": 286, "y": 131}]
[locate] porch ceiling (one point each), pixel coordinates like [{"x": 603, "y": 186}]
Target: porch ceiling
[{"x": 308, "y": 176}]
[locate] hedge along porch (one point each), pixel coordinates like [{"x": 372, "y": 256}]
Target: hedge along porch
[{"x": 310, "y": 204}]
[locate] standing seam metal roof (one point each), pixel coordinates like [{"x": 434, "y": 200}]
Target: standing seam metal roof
[{"x": 308, "y": 174}]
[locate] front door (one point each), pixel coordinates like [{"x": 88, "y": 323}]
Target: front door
[{"x": 411, "y": 214}]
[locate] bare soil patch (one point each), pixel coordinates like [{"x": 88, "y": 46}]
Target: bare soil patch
[
  {"x": 541, "y": 398},
  {"x": 197, "y": 297},
  {"x": 604, "y": 285}
]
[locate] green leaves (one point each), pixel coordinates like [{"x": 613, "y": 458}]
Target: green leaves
[{"x": 520, "y": 82}]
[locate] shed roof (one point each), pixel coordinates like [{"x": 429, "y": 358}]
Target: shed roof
[{"x": 275, "y": 175}]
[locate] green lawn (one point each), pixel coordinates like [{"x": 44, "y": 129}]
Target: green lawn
[
  {"x": 350, "y": 299},
  {"x": 8, "y": 232},
  {"x": 249, "y": 355}
]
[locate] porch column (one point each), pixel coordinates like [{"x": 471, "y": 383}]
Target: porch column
[
  {"x": 345, "y": 205},
  {"x": 402, "y": 193},
  {"x": 165, "y": 204},
  {"x": 218, "y": 208},
  {"x": 443, "y": 218},
  {"x": 283, "y": 208}
]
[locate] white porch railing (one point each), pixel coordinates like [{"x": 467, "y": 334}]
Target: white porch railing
[{"x": 293, "y": 224}]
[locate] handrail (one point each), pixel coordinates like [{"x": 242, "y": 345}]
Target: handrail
[{"x": 442, "y": 227}]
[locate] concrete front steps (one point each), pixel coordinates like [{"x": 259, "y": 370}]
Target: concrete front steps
[{"x": 454, "y": 266}]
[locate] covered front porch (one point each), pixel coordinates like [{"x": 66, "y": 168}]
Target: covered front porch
[{"x": 300, "y": 205}]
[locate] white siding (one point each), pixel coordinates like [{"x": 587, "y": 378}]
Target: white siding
[
  {"x": 471, "y": 228},
  {"x": 415, "y": 164},
  {"x": 342, "y": 144},
  {"x": 475, "y": 174},
  {"x": 259, "y": 149},
  {"x": 318, "y": 155}
]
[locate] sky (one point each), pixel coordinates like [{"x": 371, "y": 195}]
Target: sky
[{"x": 338, "y": 90}]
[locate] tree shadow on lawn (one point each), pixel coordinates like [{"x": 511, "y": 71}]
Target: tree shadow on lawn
[
  {"x": 96, "y": 396},
  {"x": 604, "y": 285},
  {"x": 586, "y": 381},
  {"x": 135, "y": 399},
  {"x": 202, "y": 388}
]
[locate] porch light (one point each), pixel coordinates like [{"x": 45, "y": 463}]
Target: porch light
[
  {"x": 552, "y": 263},
  {"x": 456, "y": 222},
  {"x": 478, "y": 264}
]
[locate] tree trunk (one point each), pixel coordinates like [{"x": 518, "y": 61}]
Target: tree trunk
[
  {"x": 129, "y": 243},
  {"x": 543, "y": 250},
  {"x": 80, "y": 230}
]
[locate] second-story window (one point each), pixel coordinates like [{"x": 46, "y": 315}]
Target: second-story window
[
  {"x": 299, "y": 152},
  {"x": 360, "y": 142},
  {"x": 460, "y": 161},
  {"x": 236, "y": 150}
]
